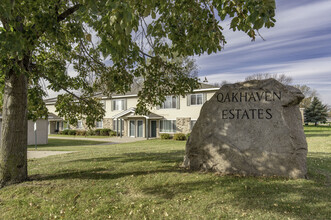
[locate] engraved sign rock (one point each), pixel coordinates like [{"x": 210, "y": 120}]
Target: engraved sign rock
[{"x": 252, "y": 128}]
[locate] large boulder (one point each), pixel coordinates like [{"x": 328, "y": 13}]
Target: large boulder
[{"x": 252, "y": 128}]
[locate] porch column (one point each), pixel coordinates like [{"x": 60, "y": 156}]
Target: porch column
[
  {"x": 146, "y": 130},
  {"x": 121, "y": 120},
  {"x": 116, "y": 126}
]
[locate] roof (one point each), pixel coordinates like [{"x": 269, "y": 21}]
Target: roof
[
  {"x": 54, "y": 117},
  {"x": 130, "y": 113},
  {"x": 135, "y": 88}
]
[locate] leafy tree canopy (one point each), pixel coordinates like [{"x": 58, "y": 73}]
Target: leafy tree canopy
[{"x": 110, "y": 43}]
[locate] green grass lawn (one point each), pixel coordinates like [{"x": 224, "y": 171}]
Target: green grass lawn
[{"x": 143, "y": 180}]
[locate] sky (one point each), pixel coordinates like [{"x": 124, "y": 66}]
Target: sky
[{"x": 298, "y": 46}]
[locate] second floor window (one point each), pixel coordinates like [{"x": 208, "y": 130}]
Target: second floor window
[
  {"x": 196, "y": 99},
  {"x": 79, "y": 124},
  {"x": 118, "y": 104},
  {"x": 170, "y": 102}
]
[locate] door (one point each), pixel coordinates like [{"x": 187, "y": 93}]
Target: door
[
  {"x": 153, "y": 128},
  {"x": 132, "y": 128},
  {"x": 140, "y": 129}
]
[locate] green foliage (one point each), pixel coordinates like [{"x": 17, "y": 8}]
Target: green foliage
[
  {"x": 81, "y": 132},
  {"x": 179, "y": 137},
  {"x": 97, "y": 132},
  {"x": 112, "y": 133},
  {"x": 72, "y": 132},
  {"x": 105, "y": 132},
  {"x": 90, "y": 132},
  {"x": 188, "y": 136},
  {"x": 165, "y": 136},
  {"x": 65, "y": 132},
  {"x": 40, "y": 38},
  {"x": 316, "y": 112}
]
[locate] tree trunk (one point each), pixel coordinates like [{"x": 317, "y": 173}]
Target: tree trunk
[{"x": 13, "y": 149}]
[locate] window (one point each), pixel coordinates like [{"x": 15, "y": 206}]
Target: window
[
  {"x": 118, "y": 104},
  {"x": 119, "y": 125},
  {"x": 170, "y": 102},
  {"x": 168, "y": 126},
  {"x": 193, "y": 123},
  {"x": 196, "y": 99},
  {"x": 65, "y": 125},
  {"x": 103, "y": 102},
  {"x": 99, "y": 124},
  {"x": 79, "y": 124}
]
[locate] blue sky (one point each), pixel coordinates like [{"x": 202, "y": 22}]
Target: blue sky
[{"x": 298, "y": 46}]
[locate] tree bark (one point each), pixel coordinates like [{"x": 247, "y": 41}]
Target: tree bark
[{"x": 13, "y": 149}]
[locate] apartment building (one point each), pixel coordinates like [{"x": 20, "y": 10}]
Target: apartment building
[{"x": 176, "y": 115}]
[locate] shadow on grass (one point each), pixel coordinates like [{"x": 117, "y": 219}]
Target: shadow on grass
[
  {"x": 298, "y": 200},
  {"x": 317, "y": 135},
  {"x": 99, "y": 174},
  {"x": 168, "y": 157}
]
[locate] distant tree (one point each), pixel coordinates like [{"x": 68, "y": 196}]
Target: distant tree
[
  {"x": 286, "y": 80},
  {"x": 220, "y": 84},
  {"x": 309, "y": 94},
  {"x": 316, "y": 112}
]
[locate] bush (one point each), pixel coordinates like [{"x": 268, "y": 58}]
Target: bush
[
  {"x": 65, "y": 132},
  {"x": 72, "y": 132},
  {"x": 90, "y": 133},
  {"x": 81, "y": 132},
  {"x": 179, "y": 137},
  {"x": 97, "y": 132},
  {"x": 188, "y": 136},
  {"x": 112, "y": 133},
  {"x": 166, "y": 136},
  {"x": 105, "y": 132}
]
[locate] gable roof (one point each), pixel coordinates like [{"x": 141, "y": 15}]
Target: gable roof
[
  {"x": 130, "y": 113},
  {"x": 135, "y": 88}
]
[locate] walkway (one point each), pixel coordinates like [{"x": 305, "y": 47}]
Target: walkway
[{"x": 111, "y": 140}]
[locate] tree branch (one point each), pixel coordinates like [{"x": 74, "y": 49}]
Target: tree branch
[{"x": 68, "y": 12}]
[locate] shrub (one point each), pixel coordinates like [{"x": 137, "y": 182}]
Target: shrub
[
  {"x": 105, "y": 132},
  {"x": 112, "y": 133},
  {"x": 179, "y": 137},
  {"x": 97, "y": 132},
  {"x": 72, "y": 132},
  {"x": 166, "y": 136},
  {"x": 90, "y": 133},
  {"x": 81, "y": 132},
  {"x": 188, "y": 136},
  {"x": 60, "y": 132},
  {"x": 65, "y": 132}
]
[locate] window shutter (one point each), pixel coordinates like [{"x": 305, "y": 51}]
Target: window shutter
[
  {"x": 188, "y": 100},
  {"x": 112, "y": 105},
  {"x": 204, "y": 95},
  {"x": 125, "y": 104},
  {"x": 178, "y": 102}
]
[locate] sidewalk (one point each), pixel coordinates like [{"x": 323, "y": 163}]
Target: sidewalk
[{"x": 112, "y": 140}]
